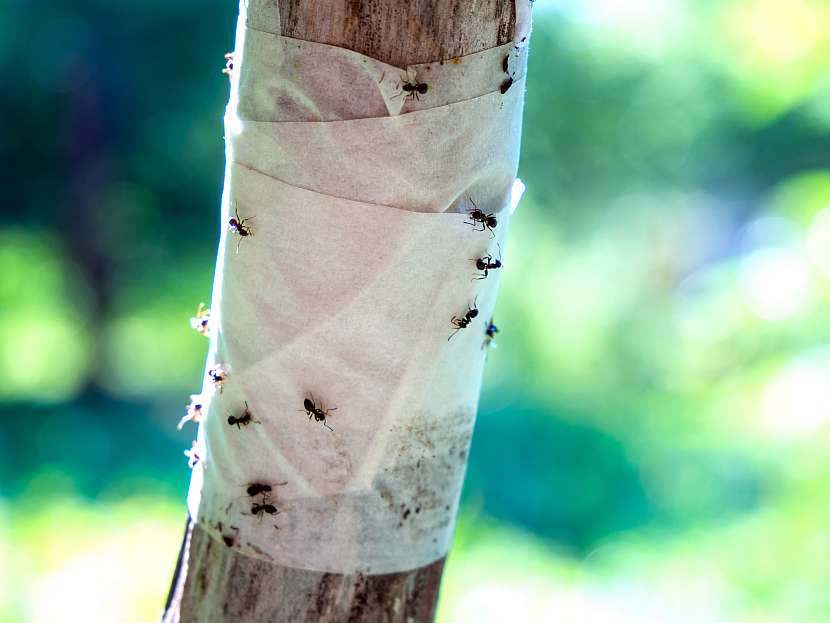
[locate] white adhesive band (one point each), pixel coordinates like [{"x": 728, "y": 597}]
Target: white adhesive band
[{"x": 362, "y": 253}]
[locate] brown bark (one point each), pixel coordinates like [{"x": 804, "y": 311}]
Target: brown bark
[{"x": 214, "y": 583}]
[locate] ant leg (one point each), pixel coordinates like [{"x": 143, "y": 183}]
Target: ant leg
[
  {"x": 327, "y": 426},
  {"x": 452, "y": 335}
]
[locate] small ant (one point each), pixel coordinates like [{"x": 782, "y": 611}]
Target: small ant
[
  {"x": 228, "y": 64},
  {"x": 193, "y": 455},
  {"x": 256, "y": 488},
  {"x": 318, "y": 413},
  {"x": 237, "y": 226},
  {"x": 490, "y": 333},
  {"x": 201, "y": 321},
  {"x": 259, "y": 509},
  {"x": 505, "y": 65},
  {"x": 411, "y": 87},
  {"x": 193, "y": 412},
  {"x": 486, "y": 264},
  {"x": 463, "y": 322},
  {"x": 244, "y": 419},
  {"x": 488, "y": 221},
  {"x": 218, "y": 375}
]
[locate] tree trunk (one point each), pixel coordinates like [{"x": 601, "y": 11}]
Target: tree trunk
[{"x": 213, "y": 582}]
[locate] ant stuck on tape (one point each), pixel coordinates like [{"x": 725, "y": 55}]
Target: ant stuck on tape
[
  {"x": 464, "y": 321},
  {"x": 237, "y": 226},
  {"x": 193, "y": 413},
  {"x": 412, "y": 87},
  {"x": 244, "y": 419},
  {"x": 193, "y": 455},
  {"x": 318, "y": 413},
  {"x": 487, "y": 221},
  {"x": 489, "y": 335},
  {"x": 258, "y": 488},
  {"x": 218, "y": 375},
  {"x": 260, "y": 509},
  {"x": 228, "y": 70},
  {"x": 486, "y": 263},
  {"x": 201, "y": 321}
]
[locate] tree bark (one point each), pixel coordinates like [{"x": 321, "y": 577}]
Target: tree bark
[{"x": 213, "y": 582}]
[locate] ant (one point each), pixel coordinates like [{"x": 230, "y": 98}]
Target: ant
[
  {"x": 237, "y": 226},
  {"x": 244, "y": 419},
  {"x": 257, "y": 488},
  {"x": 218, "y": 375},
  {"x": 228, "y": 64},
  {"x": 193, "y": 413},
  {"x": 486, "y": 264},
  {"x": 490, "y": 333},
  {"x": 201, "y": 321},
  {"x": 259, "y": 509},
  {"x": 411, "y": 87},
  {"x": 318, "y": 413},
  {"x": 463, "y": 322},
  {"x": 488, "y": 221},
  {"x": 505, "y": 65},
  {"x": 193, "y": 455}
]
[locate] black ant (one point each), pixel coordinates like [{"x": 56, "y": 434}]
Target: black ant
[
  {"x": 505, "y": 65},
  {"x": 411, "y": 87},
  {"x": 318, "y": 413},
  {"x": 244, "y": 419},
  {"x": 228, "y": 70},
  {"x": 257, "y": 488},
  {"x": 463, "y": 322},
  {"x": 490, "y": 334},
  {"x": 237, "y": 226},
  {"x": 487, "y": 263},
  {"x": 259, "y": 509},
  {"x": 488, "y": 221}
]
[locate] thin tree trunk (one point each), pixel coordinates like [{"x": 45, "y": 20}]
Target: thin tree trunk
[{"x": 217, "y": 583}]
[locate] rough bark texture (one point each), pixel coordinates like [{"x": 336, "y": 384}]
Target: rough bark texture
[
  {"x": 401, "y": 32},
  {"x": 214, "y": 583}
]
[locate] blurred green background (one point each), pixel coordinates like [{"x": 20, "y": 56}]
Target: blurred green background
[{"x": 652, "y": 441}]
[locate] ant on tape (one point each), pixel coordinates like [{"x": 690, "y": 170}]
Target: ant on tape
[
  {"x": 486, "y": 263},
  {"x": 244, "y": 419},
  {"x": 228, "y": 70},
  {"x": 238, "y": 227},
  {"x": 193, "y": 412},
  {"x": 260, "y": 509},
  {"x": 257, "y": 488},
  {"x": 490, "y": 334},
  {"x": 412, "y": 87},
  {"x": 464, "y": 321},
  {"x": 218, "y": 375},
  {"x": 318, "y": 413},
  {"x": 201, "y": 321},
  {"x": 478, "y": 217}
]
